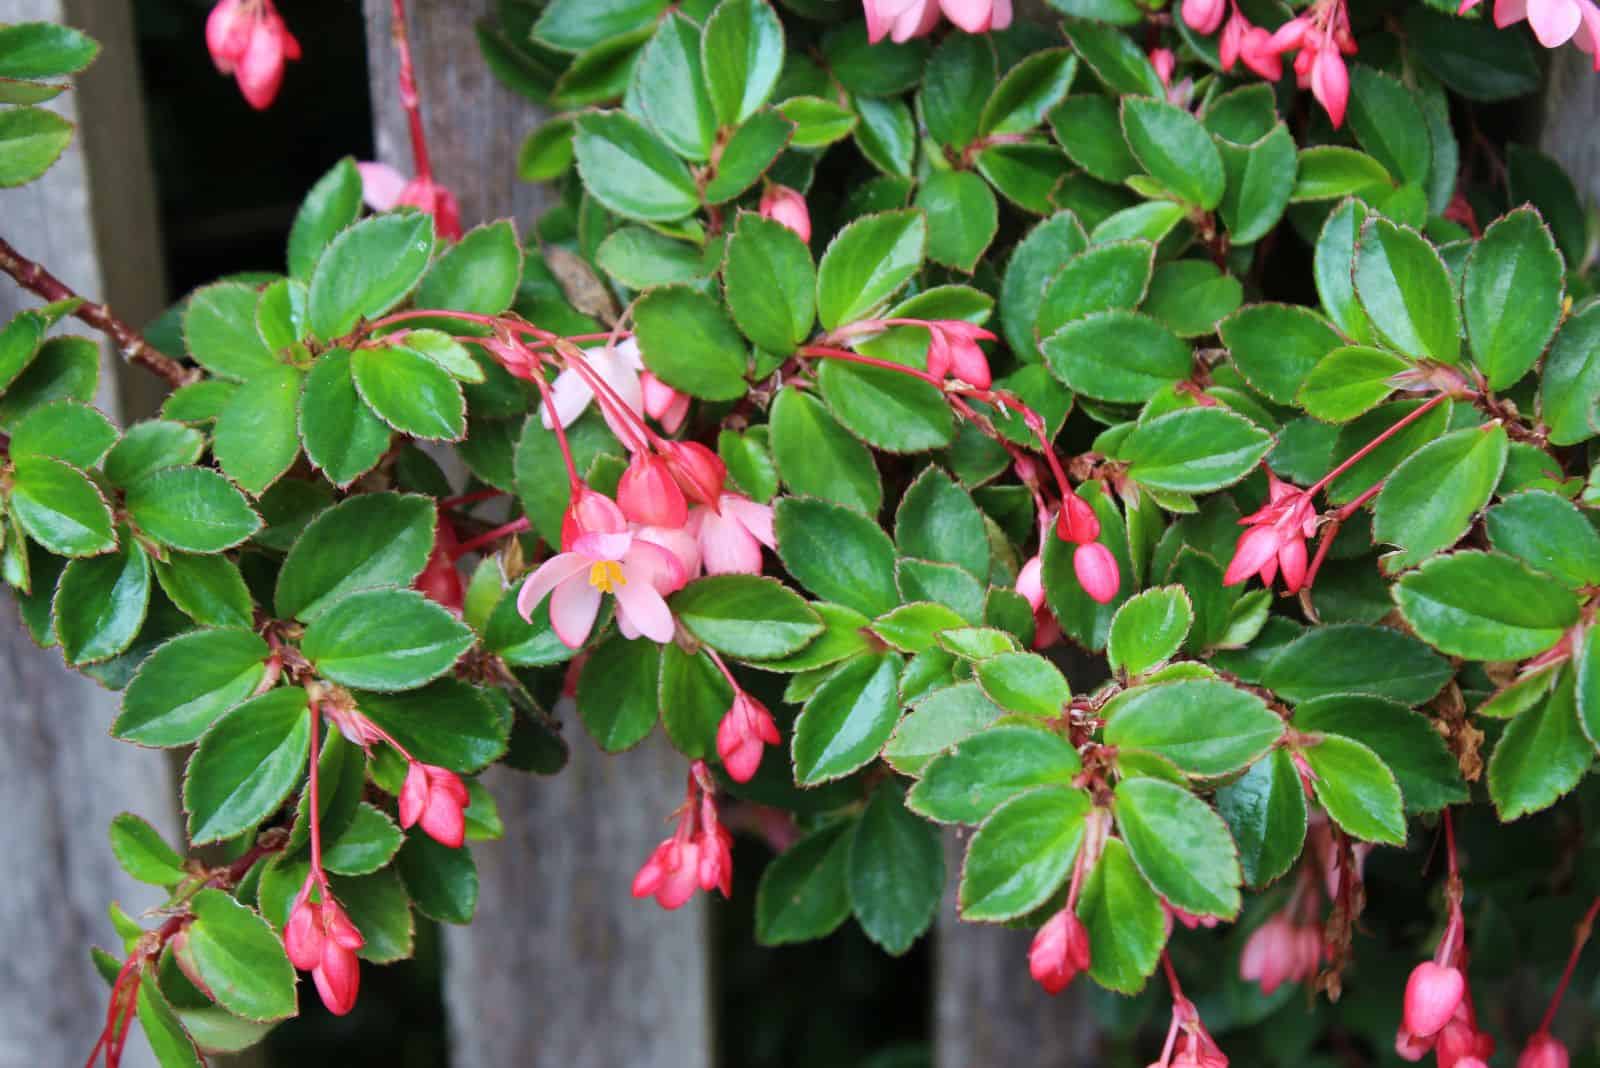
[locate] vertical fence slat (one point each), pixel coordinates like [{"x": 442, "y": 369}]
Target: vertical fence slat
[
  {"x": 1571, "y": 110},
  {"x": 92, "y": 221},
  {"x": 560, "y": 966}
]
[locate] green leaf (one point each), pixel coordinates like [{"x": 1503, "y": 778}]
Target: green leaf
[
  {"x": 246, "y": 764},
  {"x": 1192, "y": 296},
  {"x": 895, "y": 871},
  {"x": 1114, "y": 58},
  {"x": 1432, "y": 498},
  {"x": 670, "y": 87},
  {"x": 60, "y": 508},
  {"x": 1117, "y": 356},
  {"x": 990, "y": 768},
  {"x": 191, "y": 508},
  {"x": 771, "y": 284},
  {"x": 887, "y": 409},
  {"x": 150, "y": 446},
  {"x": 1485, "y": 606},
  {"x": 219, "y": 330},
  {"x": 1193, "y": 450},
  {"x": 867, "y": 263},
  {"x": 1548, "y": 532},
  {"x": 385, "y": 640},
  {"x": 963, "y": 217},
  {"x": 847, "y": 720},
  {"x": 742, "y": 56},
  {"x": 1353, "y": 658},
  {"x": 881, "y": 69},
  {"x": 255, "y": 440},
  {"x": 1260, "y": 181},
  {"x": 442, "y": 882},
  {"x": 1405, "y": 741},
  {"x": 1035, "y": 260},
  {"x": 818, "y": 457},
  {"x": 1089, "y": 128},
  {"x": 65, "y": 430},
  {"x": 366, "y": 270},
  {"x": 183, "y": 687},
  {"x": 843, "y": 637},
  {"x": 1348, "y": 382},
  {"x": 817, "y": 122},
  {"x": 1472, "y": 56},
  {"x": 371, "y": 540},
  {"x": 100, "y": 603},
  {"x": 1405, "y": 289},
  {"x": 1542, "y": 754},
  {"x": 1358, "y": 790},
  {"x": 368, "y": 842},
  {"x": 938, "y": 721},
  {"x": 914, "y": 627},
  {"x": 641, "y": 258},
  {"x": 1025, "y": 683},
  {"x": 1569, "y": 392},
  {"x": 19, "y": 343},
  {"x": 1512, "y": 295},
  {"x": 1204, "y": 726},
  {"x": 447, "y": 723},
  {"x": 1175, "y": 150},
  {"x": 410, "y": 392},
  {"x": 746, "y": 616},
  {"x": 1377, "y": 464},
  {"x": 749, "y": 153},
  {"x": 1333, "y": 172},
  {"x": 1265, "y": 809},
  {"x": 1148, "y": 629},
  {"x": 333, "y": 204},
  {"x": 630, "y": 171},
  {"x": 342, "y": 435},
  {"x": 63, "y": 368},
  {"x": 836, "y": 553},
  {"x": 169, "y": 1041},
  {"x": 31, "y": 139},
  {"x": 618, "y": 695},
  {"x": 1022, "y": 853},
  {"x": 1388, "y": 122},
  {"x": 1101, "y": 278},
  {"x": 477, "y": 274},
  {"x": 1028, "y": 92},
  {"x": 1275, "y": 346},
  {"x": 240, "y": 958},
  {"x": 1125, "y": 919},
  {"x": 576, "y": 25},
  {"x": 687, "y": 340},
  {"x": 960, "y": 77},
  {"x": 1180, "y": 845},
  {"x": 33, "y": 50},
  {"x": 805, "y": 891},
  {"x": 208, "y": 589},
  {"x": 143, "y": 853},
  {"x": 694, "y": 698}
]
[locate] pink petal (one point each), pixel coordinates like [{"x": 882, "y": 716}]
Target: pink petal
[
  {"x": 1254, "y": 549},
  {"x": 573, "y": 606},
  {"x": 659, "y": 568},
  {"x": 1508, "y": 11},
  {"x": 381, "y": 185},
  {"x": 1330, "y": 84},
  {"x": 728, "y": 548},
  {"x": 260, "y": 69},
  {"x": 569, "y": 395},
  {"x": 1292, "y": 560},
  {"x": 1001, "y": 18},
  {"x": 599, "y": 545},
  {"x": 640, "y": 606},
  {"x": 682, "y": 542},
  {"x": 445, "y": 823},
  {"x": 971, "y": 15},
  {"x": 756, "y": 518},
  {"x": 1554, "y": 21},
  {"x": 550, "y": 574},
  {"x": 919, "y": 18}
]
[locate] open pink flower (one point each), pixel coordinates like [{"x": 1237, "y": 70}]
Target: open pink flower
[
  {"x": 1554, "y": 22},
  {"x": 384, "y": 188},
  {"x": 248, "y": 39},
  {"x": 731, "y": 537},
  {"x": 618, "y": 368},
  {"x": 636, "y": 572}
]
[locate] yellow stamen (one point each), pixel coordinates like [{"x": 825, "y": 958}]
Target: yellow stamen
[{"x": 606, "y": 576}]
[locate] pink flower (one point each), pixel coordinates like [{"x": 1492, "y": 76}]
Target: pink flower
[
  {"x": 978, "y": 16},
  {"x": 1077, "y": 521},
  {"x": 662, "y": 403},
  {"x": 1097, "y": 571},
  {"x": 1060, "y": 951},
  {"x": 1330, "y": 84},
  {"x": 699, "y": 472},
  {"x": 730, "y": 538},
  {"x": 1460, "y": 1043},
  {"x": 320, "y": 938},
  {"x": 1276, "y": 537},
  {"x": 636, "y": 572},
  {"x": 743, "y": 735},
  {"x": 618, "y": 368},
  {"x": 648, "y": 493},
  {"x": 671, "y": 875},
  {"x": 1165, "y": 63},
  {"x": 682, "y": 542},
  {"x": 953, "y": 350},
  {"x": 1204, "y": 16},
  {"x": 697, "y": 856},
  {"x": 784, "y": 205},
  {"x": 1279, "y": 952},
  {"x": 438, "y": 799},
  {"x": 716, "y": 850},
  {"x": 247, "y": 38},
  {"x": 384, "y": 188},
  {"x": 1543, "y": 1051},
  {"x": 900, "y": 20},
  {"x": 1433, "y": 992}
]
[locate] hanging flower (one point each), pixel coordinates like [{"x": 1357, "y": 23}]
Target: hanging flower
[
  {"x": 637, "y": 573},
  {"x": 384, "y": 188},
  {"x": 248, "y": 39}
]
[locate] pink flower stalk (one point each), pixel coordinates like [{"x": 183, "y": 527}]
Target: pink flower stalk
[
  {"x": 248, "y": 39},
  {"x": 637, "y": 573},
  {"x": 1544, "y": 1050},
  {"x": 1275, "y": 538},
  {"x": 1433, "y": 993},
  {"x": 648, "y": 494},
  {"x": 1060, "y": 951},
  {"x": 662, "y": 403},
  {"x": 784, "y": 205},
  {"x": 438, "y": 799},
  {"x": 743, "y": 735},
  {"x": 617, "y": 367},
  {"x": 730, "y": 538},
  {"x": 1097, "y": 571},
  {"x": 384, "y": 188},
  {"x": 953, "y": 351},
  {"x": 697, "y": 856},
  {"x": 319, "y": 938}
]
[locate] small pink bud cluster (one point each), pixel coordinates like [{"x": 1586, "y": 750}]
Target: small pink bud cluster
[
  {"x": 1438, "y": 1014},
  {"x": 1189, "y": 1044},
  {"x": 953, "y": 351},
  {"x": 699, "y": 854},
  {"x": 743, "y": 736},
  {"x": 1321, "y": 37},
  {"x": 1092, "y": 562},
  {"x": 248, "y": 39},
  {"x": 1281, "y": 951},
  {"x": 437, "y": 799},
  {"x": 385, "y": 188},
  {"x": 901, "y": 20},
  {"x": 1060, "y": 952},
  {"x": 320, "y": 939},
  {"x": 1275, "y": 538},
  {"x": 784, "y": 205}
]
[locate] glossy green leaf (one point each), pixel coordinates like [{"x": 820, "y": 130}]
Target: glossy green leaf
[
  {"x": 410, "y": 392},
  {"x": 743, "y": 56},
  {"x": 895, "y": 871},
  {"x": 143, "y": 853},
  {"x": 688, "y": 341},
  {"x": 1275, "y": 346},
  {"x": 256, "y": 438},
  {"x": 671, "y": 88},
  {"x": 1022, "y": 853},
  {"x": 371, "y": 540},
  {"x": 1432, "y": 498},
  {"x": 963, "y": 218},
  {"x": 1348, "y": 382},
  {"x": 1406, "y": 742},
  {"x": 65, "y": 430},
  {"x": 60, "y": 508},
  {"x": 818, "y": 457},
  {"x": 1193, "y": 450},
  {"x": 867, "y": 263},
  {"x": 1036, "y": 259},
  {"x": 186, "y": 684},
  {"x": 150, "y": 446},
  {"x": 1180, "y": 845},
  {"x": 1511, "y": 294},
  {"x": 837, "y": 553},
  {"x": 342, "y": 434},
  {"x": 630, "y": 171},
  {"x": 240, "y": 958},
  {"x": 1125, "y": 920},
  {"x": 1265, "y": 809},
  {"x": 1103, "y": 278},
  {"x": 31, "y": 140},
  {"x": 385, "y": 640},
  {"x": 771, "y": 284},
  {"x": 1204, "y": 726},
  {"x": 847, "y": 720},
  {"x": 448, "y": 723},
  {"x": 1117, "y": 356},
  {"x": 1405, "y": 289},
  {"x": 1569, "y": 392},
  {"x": 747, "y": 616},
  {"x": 1485, "y": 606},
  {"x": 1149, "y": 628},
  {"x": 366, "y": 270},
  {"x": 246, "y": 764},
  {"x": 938, "y": 721},
  {"x": 1549, "y": 533},
  {"x": 988, "y": 769},
  {"x": 1388, "y": 122},
  {"x": 1174, "y": 149},
  {"x": 805, "y": 891},
  {"x": 333, "y": 204},
  {"x": 100, "y": 603},
  {"x": 191, "y": 508}
]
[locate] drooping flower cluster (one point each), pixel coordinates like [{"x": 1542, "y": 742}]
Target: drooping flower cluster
[
  {"x": 320, "y": 939},
  {"x": 249, "y": 40},
  {"x": 901, "y": 20},
  {"x": 1275, "y": 538},
  {"x": 1320, "y": 37},
  {"x": 698, "y": 856},
  {"x": 1287, "y": 948},
  {"x": 1554, "y": 22}
]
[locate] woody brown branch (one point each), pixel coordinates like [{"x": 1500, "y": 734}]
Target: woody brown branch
[{"x": 34, "y": 278}]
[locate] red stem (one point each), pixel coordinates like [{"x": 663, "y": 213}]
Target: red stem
[
  {"x": 1365, "y": 450},
  {"x": 561, "y": 435},
  {"x": 722, "y": 667},
  {"x": 516, "y": 526},
  {"x": 471, "y": 498},
  {"x": 1580, "y": 939},
  {"x": 315, "y": 814},
  {"x": 408, "y": 95}
]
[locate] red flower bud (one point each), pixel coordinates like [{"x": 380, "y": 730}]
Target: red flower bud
[
  {"x": 1077, "y": 521},
  {"x": 1059, "y": 952},
  {"x": 1432, "y": 995},
  {"x": 1544, "y": 1050},
  {"x": 649, "y": 495},
  {"x": 784, "y": 205},
  {"x": 1097, "y": 571},
  {"x": 436, "y": 798},
  {"x": 303, "y": 935},
  {"x": 590, "y": 512},
  {"x": 338, "y": 977},
  {"x": 742, "y": 736},
  {"x": 698, "y": 471}
]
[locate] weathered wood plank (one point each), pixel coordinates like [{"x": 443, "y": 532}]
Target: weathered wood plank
[
  {"x": 561, "y": 966},
  {"x": 1571, "y": 119},
  {"x": 92, "y": 221}
]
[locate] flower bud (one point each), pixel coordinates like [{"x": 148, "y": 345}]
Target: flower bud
[
  {"x": 662, "y": 403},
  {"x": 1059, "y": 952},
  {"x": 1544, "y": 1050},
  {"x": 1097, "y": 571},
  {"x": 742, "y": 736},
  {"x": 303, "y": 934},
  {"x": 1204, "y": 16},
  {"x": 1030, "y": 582},
  {"x": 1270, "y": 955},
  {"x": 437, "y": 799},
  {"x": 1077, "y": 521},
  {"x": 227, "y": 34},
  {"x": 1432, "y": 994},
  {"x": 338, "y": 977},
  {"x": 699, "y": 472},
  {"x": 648, "y": 494},
  {"x": 784, "y": 205},
  {"x": 338, "y": 927},
  {"x": 591, "y": 512}
]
